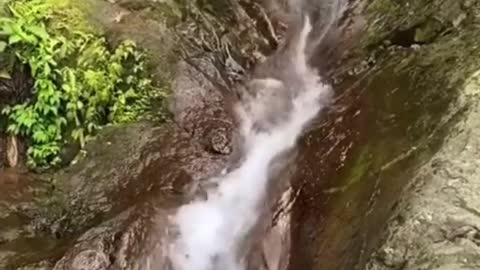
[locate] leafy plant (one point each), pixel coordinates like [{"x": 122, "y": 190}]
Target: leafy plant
[{"x": 80, "y": 85}]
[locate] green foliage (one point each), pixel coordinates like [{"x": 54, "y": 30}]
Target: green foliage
[{"x": 80, "y": 85}]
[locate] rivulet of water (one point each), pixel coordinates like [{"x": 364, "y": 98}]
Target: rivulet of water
[{"x": 212, "y": 230}]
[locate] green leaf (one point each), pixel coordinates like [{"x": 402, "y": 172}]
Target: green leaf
[
  {"x": 39, "y": 31},
  {"x": 79, "y": 82},
  {"x": 40, "y": 136},
  {"x": 14, "y": 39},
  {"x": 61, "y": 121}
]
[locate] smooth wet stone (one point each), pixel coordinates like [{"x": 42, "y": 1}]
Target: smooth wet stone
[{"x": 393, "y": 107}]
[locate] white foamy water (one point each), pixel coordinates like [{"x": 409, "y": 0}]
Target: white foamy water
[{"x": 212, "y": 230}]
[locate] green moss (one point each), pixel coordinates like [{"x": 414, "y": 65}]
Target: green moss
[
  {"x": 69, "y": 13},
  {"x": 427, "y": 32},
  {"x": 360, "y": 166},
  {"x": 427, "y": 80}
]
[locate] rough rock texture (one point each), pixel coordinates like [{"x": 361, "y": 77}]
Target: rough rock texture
[
  {"x": 126, "y": 167},
  {"x": 119, "y": 243},
  {"x": 126, "y": 241},
  {"x": 392, "y": 111},
  {"x": 199, "y": 106},
  {"x": 437, "y": 225},
  {"x": 397, "y": 94},
  {"x": 152, "y": 160},
  {"x": 145, "y": 27}
]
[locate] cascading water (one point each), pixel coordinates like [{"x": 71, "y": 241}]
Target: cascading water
[{"x": 211, "y": 231}]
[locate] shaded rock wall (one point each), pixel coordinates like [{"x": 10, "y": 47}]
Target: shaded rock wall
[{"x": 398, "y": 78}]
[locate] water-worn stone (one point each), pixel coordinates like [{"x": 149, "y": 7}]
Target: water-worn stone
[
  {"x": 199, "y": 106},
  {"x": 110, "y": 179},
  {"x": 150, "y": 158},
  {"x": 395, "y": 100}
]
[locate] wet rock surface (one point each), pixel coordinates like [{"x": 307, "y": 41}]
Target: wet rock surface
[
  {"x": 119, "y": 170},
  {"x": 436, "y": 223},
  {"x": 199, "y": 106},
  {"x": 393, "y": 114},
  {"x": 152, "y": 160},
  {"x": 398, "y": 91},
  {"x": 161, "y": 157}
]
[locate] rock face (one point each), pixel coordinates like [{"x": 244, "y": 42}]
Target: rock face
[
  {"x": 392, "y": 116},
  {"x": 435, "y": 225},
  {"x": 399, "y": 88},
  {"x": 150, "y": 158},
  {"x": 199, "y": 106},
  {"x": 127, "y": 240},
  {"x": 109, "y": 180}
]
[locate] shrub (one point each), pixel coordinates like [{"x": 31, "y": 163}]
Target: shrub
[{"x": 80, "y": 85}]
